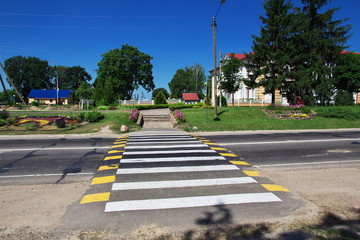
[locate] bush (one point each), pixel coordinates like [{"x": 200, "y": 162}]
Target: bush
[
  {"x": 2, "y": 122},
  {"x": 60, "y": 123},
  {"x": 338, "y": 112},
  {"x": 93, "y": 116},
  {"x": 4, "y": 114},
  {"x": 160, "y": 98},
  {"x": 344, "y": 98},
  {"x": 112, "y": 107},
  {"x": 34, "y": 103},
  {"x": 223, "y": 101},
  {"x": 134, "y": 115},
  {"x": 30, "y": 126}
]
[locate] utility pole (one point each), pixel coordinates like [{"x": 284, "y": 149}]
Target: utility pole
[
  {"x": 214, "y": 80},
  {"x": 12, "y": 84}
]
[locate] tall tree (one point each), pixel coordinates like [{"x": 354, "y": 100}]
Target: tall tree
[
  {"x": 188, "y": 79},
  {"x": 28, "y": 73},
  {"x": 70, "y": 78},
  {"x": 230, "y": 82},
  {"x": 120, "y": 72},
  {"x": 319, "y": 41},
  {"x": 269, "y": 63},
  {"x": 84, "y": 91}
]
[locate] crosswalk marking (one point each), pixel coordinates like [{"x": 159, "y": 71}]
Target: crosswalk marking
[
  {"x": 176, "y": 169},
  {"x": 168, "y": 152},
  {"x": 167, "y": 146},
  {"x": 112, "y": 157},
  {"x": 97, "y": 197},
  {"x": 168, "y": 142},
  {"x": 201, "y": 171},
  {"x": 186, "y": 202},
  {"x": 171, "y": 159},
  {"x": 181, "y": 183}
]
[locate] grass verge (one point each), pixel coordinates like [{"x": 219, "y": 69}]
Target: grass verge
[{"x": 252, "y": 118}]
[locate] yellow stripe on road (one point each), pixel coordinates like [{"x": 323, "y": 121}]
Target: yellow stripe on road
[
  {"x": 116, "y": 146},
  {"x": 208, "y": 143},
  {"x": 275, "y": 188},
  {"x": 252, "y": 173},
  {"x": 109, "y": 167},
  {"x": 97, "y": 197},
  {"x": 101, "y": 180},
  {"x": 228, "y": 155},
  {"x": 117, "y": 142},
  {"x": 218, "y": 149},
  {"x": 115, "y": 151},
  {"x": 113, "y": 157},
  {"x": 239, "y": 163}
]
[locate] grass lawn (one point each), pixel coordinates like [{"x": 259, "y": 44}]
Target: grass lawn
[
  {"x": 114, "y": 120},
  {"x": 252, "y": 118}
]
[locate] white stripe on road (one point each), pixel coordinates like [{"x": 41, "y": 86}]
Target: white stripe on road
[
  {"x": 307, "y": 163},
  {"x": 51, "y": 149},
  {"x": 157, "y": 139},
  {"x": 200, "y": 145},
  {"x": 169, "y": 152},
  {"x": 182, "y": 142},
  {"x": 171, "y": 159},
  {"x": 44, "y": 175},
  {"x": 181, "y": 183},
  {"x": 176, "y": 169},
  {"x": 185, "y": 202},
  {"x": 290, "y": 141}
]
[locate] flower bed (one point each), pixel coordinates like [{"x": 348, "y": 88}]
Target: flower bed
[
  {"x": 43, "y": 121},
  {"x": 300, "y": 112}
]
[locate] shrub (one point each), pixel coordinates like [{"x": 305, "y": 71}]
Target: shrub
[
  {"x": 30, "y": 126},
  {"x": 338, "y": 112},
  {"x": 160, "y": 98},
  {"x": 60, "y": 123},
  {"x": 112, "y": 107},
  {"x": 134, "y": 115},
  {"x": 179, "y": 116},
  {"x": 2, "y": 122},
  {"x": 4, "y": 114},
  {"x": 93, "y": 116},
  {"x": 344, "y": 98},
  {"x": 34, "y": 103}
]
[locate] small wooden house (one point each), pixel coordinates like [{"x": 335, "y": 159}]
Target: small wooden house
[{"x": 190, "y": 98}]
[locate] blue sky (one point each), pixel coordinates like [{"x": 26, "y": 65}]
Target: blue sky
[{"x": 175, "y": 33}]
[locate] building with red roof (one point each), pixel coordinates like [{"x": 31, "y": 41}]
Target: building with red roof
[{"x": 190, "y": 98}]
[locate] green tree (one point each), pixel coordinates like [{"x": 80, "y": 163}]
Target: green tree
[
  {"x": 84, "y": 91},
  {"x": 70, "y": 78},
  {"x": 319, "y": 40},
  {"x": 347, "y": 73},
  {"x": 190, "y": 79},
  {"x": 271, "y": 50},
  {"x": 160, "y": 98},
  {"x": 231, "y": 79},
  {"x": 120, "y": 72},
  {"x": 158, "y": 90},
  {"x": 29, "y": 73}
]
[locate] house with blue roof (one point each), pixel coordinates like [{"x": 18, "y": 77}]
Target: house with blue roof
[{"x": 49, "y": 97}]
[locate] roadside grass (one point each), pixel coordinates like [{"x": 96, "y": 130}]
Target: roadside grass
[
  {"x": 114, "y": 120},
  {"x": 252, "y": 118}
]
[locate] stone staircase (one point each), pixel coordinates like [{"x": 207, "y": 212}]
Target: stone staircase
[{"x": 157, "y": 118}]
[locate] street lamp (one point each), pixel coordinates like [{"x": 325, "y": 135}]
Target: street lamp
[{"x": 214, "y": 80}]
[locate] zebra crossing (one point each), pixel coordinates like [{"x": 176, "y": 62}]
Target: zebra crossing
[{"x": 175, "y": 170}]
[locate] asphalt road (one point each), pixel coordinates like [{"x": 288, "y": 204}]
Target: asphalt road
[
  {"x": 296, "y": 148},
  {"x": 51, "y": 157},
  {"x": 42, "y": 158}
]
